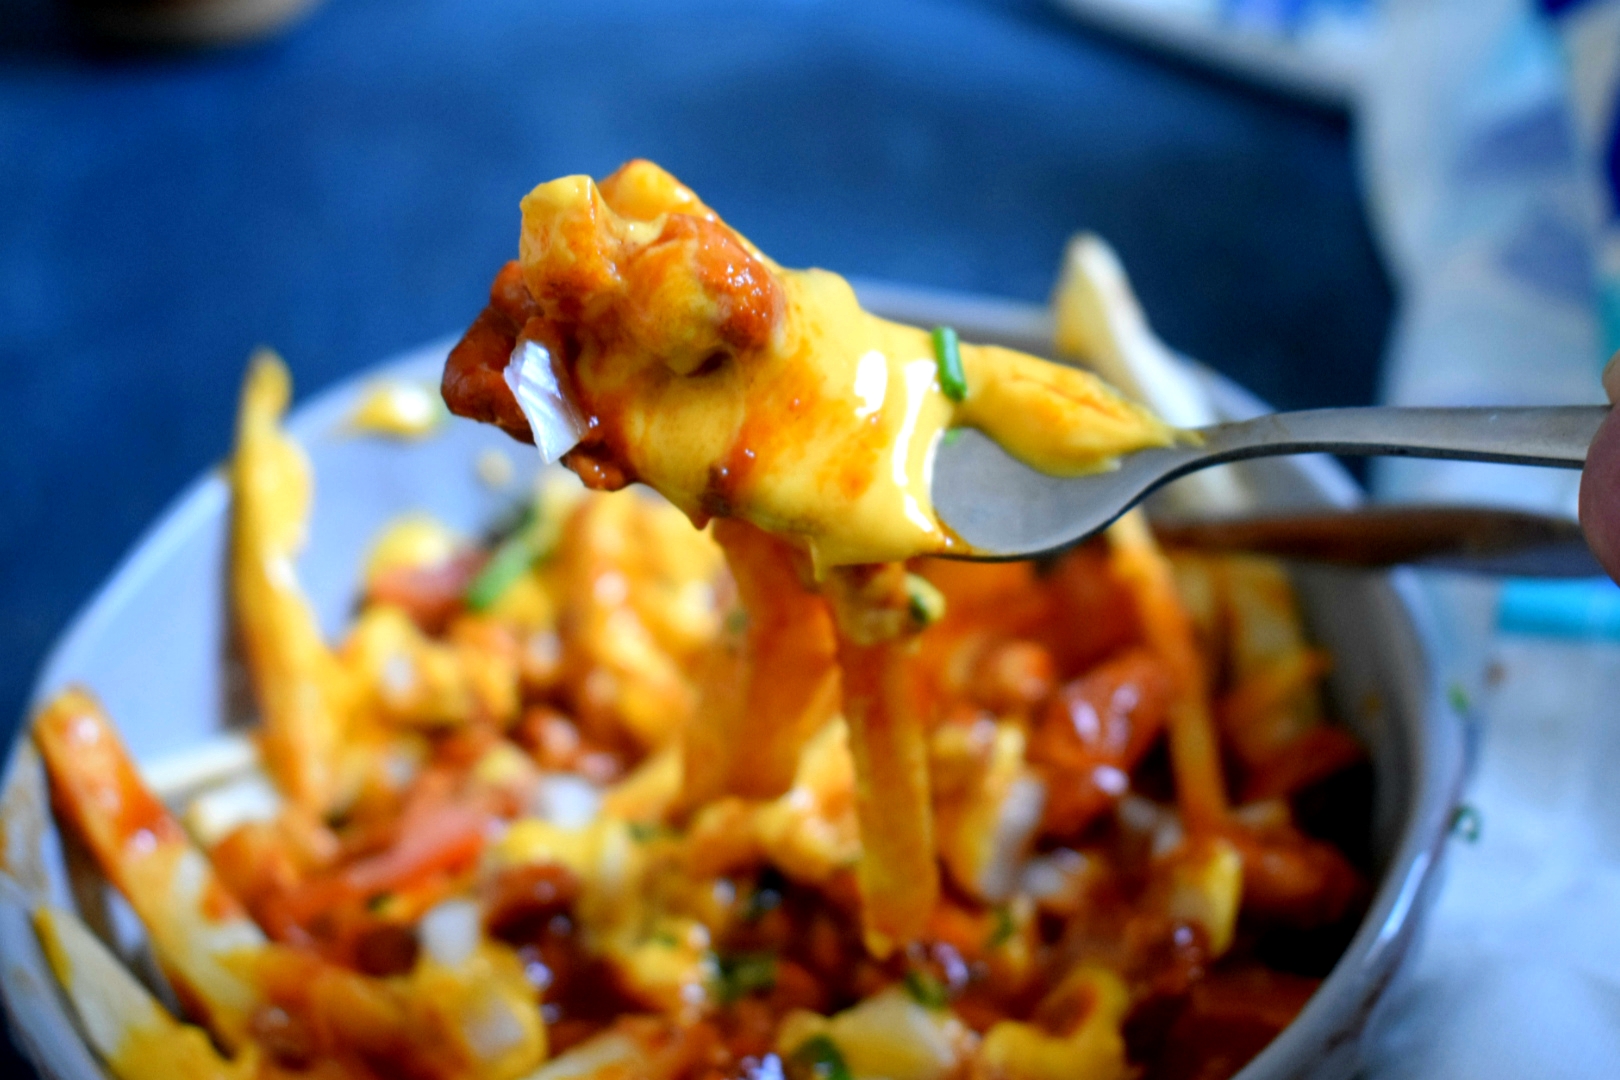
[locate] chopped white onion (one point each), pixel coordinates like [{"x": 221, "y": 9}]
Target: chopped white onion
[
  {"x": 491, "y": 1029},
  {"x": 554, "y": 419},
  {"x": 1167, "y": 837},
  {"x": 214, "y": 813},
  {"x": 570, "y": 801},
  {"x": 768, "y": 1067},
  {"x": 1137, "y": 814},
  {"x": 1017, "y": 822},
  {"x": 1055, "y": 875},
  {"x": 1161, "y": 825},
  {"x": 450, "y": 931}
]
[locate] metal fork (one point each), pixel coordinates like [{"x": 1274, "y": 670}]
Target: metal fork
[{"x": 1006, "y": 510}]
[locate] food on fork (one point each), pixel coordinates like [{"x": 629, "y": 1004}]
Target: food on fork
[{"x": 737, "y": 388}]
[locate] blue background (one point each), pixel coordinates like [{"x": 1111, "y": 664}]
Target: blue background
[{"x": 348, "y": 190}]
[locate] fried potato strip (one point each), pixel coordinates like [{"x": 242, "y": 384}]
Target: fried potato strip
[
  {"x": 899, "y": 877},
  {"x": 122, "y": 1021},
  {"x": 199, "y": 932},
  {"x": 299, "y": 686},
  {"x": 1195, "y": 752},
  {"x": 470, "y": 1016},
  {"x": 746, "y": 739}
]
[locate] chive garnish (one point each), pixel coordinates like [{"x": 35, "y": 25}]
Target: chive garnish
[
  {"x": 511, "y": 560},
  {"x": 1003, "y": 930},
  {"x": 744, "y": 973},
  {"x": 1457, "y": 697},
  {"x": 645, "y": 832},
  {"x": 948, "y": 356},
  {"x": 818, "y": 1058},
  {"x": 926, "y": 990},
  {"x": 925, "y": 601}
]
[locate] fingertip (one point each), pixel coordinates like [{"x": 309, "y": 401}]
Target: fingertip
[
  {"x": 1600, "y": 495},
  {"x": 1611, "y": 377}
]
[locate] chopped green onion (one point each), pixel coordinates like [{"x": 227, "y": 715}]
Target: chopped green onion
[
  {"x": 512, "y": 558},
  {"x": 950, "y": 436},
  {"x": 1467, "y": 823},
  {"x": 818, "y": 1057},
  {"x": 1457, "y": 697},
  {"x": 1003, "y": 930},
  {"x": 926, "y": 990},
  {"x": 927, "y": 603},
  {"x": 509, "y": 563},
  {"x": 645, "y": 832},
  {"x": 948, "y": 355},
  {"x": 745, "y": 973}
]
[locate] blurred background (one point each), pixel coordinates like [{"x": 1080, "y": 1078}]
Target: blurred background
[{"x": 1330, "y": 202}]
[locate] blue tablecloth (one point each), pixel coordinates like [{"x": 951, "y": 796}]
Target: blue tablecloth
[{"x": 347, "y": 191}]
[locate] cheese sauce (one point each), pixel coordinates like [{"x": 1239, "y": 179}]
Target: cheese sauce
[{"x": 738, "y": 388}]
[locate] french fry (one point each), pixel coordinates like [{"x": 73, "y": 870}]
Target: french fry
[
  {"x": 789, "y": 676},
  {"x": 898, "y": 873},
  {"x": 1097, "y": 319},
  {"x": 296, "y": 679},
  {"x": 1195, "y": 753},
  {"x": 1273, "y": 699},
  {"x": 133, "y": 1034},
  {"x": 626, "y": 684},
  {"x": 201, "y": 936}
]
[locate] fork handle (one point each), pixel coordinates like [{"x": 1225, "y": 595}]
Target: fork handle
[{"x": 1556, "y": 435}]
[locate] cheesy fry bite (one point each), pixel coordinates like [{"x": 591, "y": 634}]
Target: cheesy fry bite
[
  {"x": 300, "y": 688},
  {"x": 738, "y": 388}
]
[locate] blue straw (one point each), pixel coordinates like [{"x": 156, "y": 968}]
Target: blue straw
[{"x": 1585, "y": 608}]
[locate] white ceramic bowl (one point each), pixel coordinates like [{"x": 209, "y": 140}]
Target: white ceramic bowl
[{"x": 152, "y": 644}]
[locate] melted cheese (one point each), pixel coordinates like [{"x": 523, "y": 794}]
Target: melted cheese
[
  {"x": 826, "y": 436},
  {"x": 738, "y": 388},
  {"x": 402, "y": 410},
  {"x": 132, "y": 1032}
]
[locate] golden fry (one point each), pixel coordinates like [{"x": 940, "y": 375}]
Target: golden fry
[
  {"x": 1195, "y": 753},
  {"x": 899, "y": 876},
  {"x": 789, "y": 681},
  {"x": 123, "y": 1022},
  {"x": 299, "y": 686},
  {"x": 198, "y": 930}
]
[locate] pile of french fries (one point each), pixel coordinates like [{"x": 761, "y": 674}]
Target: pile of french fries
[{"x": 607, "y": 796}]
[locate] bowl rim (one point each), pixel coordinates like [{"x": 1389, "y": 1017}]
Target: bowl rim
[{"x": 1326, "y": 1030}]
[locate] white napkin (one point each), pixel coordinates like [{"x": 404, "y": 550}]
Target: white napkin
[
  {"x": 1488, "y": 213},
  {"x": 1519, "y": 974}
]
